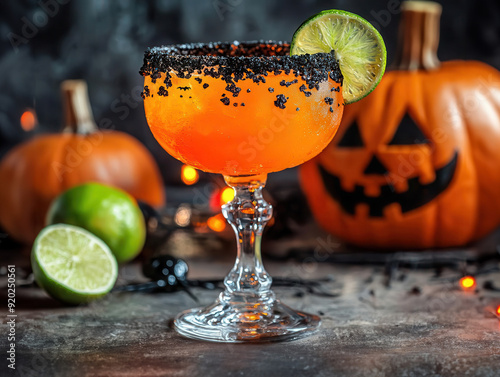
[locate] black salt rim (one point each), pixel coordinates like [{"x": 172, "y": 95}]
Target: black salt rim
[{"x": 235, "y": 61}]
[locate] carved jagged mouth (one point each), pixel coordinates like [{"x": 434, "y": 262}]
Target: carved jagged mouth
[{"x": 414, "y": 197}]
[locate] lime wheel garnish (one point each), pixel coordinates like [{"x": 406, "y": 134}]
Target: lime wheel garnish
[{"x": 358, "y": 47}]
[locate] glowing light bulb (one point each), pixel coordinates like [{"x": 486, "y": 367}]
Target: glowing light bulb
[
  {"x": 467, "y": 282},
  {"x": 28, "y": 120},
  {"x": 226, "y": 195},
  {"x": 189, "y": 175},
  {"x": 183, "y": 216},
  {"x": 217, "y": 223}
]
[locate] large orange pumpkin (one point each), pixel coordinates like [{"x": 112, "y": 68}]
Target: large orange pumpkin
[
  {"x": 416, "y": 164},
  {"x": 32, "y": 174}
]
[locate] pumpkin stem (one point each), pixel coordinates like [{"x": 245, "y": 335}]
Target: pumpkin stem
[
  {"x": 78, "y": 116},
  {"x": 418, "y": 37}
]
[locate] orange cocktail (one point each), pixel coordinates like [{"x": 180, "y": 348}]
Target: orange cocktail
[
  {"x": 243, "y": 110},
  {"x": 258, "y": 119}
]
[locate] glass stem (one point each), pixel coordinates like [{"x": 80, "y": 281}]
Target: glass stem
[{"x": 248, "y": 213}]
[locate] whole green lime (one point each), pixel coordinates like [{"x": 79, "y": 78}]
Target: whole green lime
[{"x": 108, "y": 212}]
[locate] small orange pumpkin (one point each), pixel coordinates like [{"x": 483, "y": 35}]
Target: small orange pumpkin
[
  {"x": 32, "y": 174},
  {"x": 416, "y": 164}
]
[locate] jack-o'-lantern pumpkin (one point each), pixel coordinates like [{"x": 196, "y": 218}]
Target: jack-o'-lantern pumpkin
[
  {"x": 33, "y": 173},
  {"x": 416, "y": 164}
]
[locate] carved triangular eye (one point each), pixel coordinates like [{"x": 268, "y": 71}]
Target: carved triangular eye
[
  {"x": 408, "y": 133},
  {"x": 351, "y": 137}
]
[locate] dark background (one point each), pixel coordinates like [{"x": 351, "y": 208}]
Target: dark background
[{"x": 103, "y": 43}]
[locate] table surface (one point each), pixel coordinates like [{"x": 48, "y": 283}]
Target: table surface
[{"x": 418, "y": 325}]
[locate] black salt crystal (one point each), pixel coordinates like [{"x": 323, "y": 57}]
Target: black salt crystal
[
  {"x": 146, "y": 92},
  {"x": 162, "y": 91},
  {"x": 280, "y": 101},
  {"x": 256, "y": 60},
  {"x": 287, "y": 84}
]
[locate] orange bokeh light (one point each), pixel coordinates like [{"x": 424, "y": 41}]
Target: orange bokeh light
[
  {"x": 226, "y": 195},
  {"x": 217, "y": 223},
  {"x": 189, "y": 175},
  {"x": 467, "y": 282},
  {"x": 28, "y": 120},
  {"x": 498, "y": 310}
]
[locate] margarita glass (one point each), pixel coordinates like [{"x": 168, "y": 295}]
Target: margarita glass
[{"x": 243, "y": 110}]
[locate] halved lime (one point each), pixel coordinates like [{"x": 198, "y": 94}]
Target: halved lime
[
  {"x": 72, "y": 264},
  {"x": 358, "y": 47}
]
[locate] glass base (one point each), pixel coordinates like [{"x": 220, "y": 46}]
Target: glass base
[{"x": 237, "y": 318}]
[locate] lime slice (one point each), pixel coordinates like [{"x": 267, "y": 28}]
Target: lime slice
[
  {"x": 72, "y": 264},
  {"x": 358, "y": 47}
]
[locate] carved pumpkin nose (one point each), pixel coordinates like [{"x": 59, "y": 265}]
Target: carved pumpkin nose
[{"x": 375, "y": 166}]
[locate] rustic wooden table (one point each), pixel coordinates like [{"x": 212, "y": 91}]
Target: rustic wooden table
[{"x": 415, "y": 325}]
